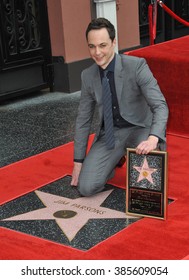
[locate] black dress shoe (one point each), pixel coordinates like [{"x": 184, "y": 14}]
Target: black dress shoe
[{"x": 121, "y": 162}]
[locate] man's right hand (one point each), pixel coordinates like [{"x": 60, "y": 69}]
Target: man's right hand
[{"x": 75, "y": 173}]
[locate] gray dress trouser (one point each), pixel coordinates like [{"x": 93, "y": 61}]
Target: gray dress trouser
[{"x": 100, "y": 162}]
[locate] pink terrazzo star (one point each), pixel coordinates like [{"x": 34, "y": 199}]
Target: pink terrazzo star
[
  {"x": 71, "y": 214},
  {"x": 145, "y": 171}
]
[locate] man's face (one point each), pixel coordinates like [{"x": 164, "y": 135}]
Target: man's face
[{"x": 101, "y": 47}]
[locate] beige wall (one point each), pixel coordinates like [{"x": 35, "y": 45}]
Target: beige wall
[
  {"x": 128, "y": 23},
  {"x": 56, "y": 27},
  {"x": 68, "y": 20}
]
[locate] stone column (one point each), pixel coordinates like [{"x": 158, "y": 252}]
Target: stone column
[{"x": 107, "y": 9}]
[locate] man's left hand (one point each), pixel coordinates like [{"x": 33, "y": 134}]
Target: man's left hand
[{"x": 147, "y": 146}]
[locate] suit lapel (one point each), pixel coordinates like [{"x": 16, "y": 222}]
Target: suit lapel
[
  {"x": 118, "y": 75},
  {"x": 97, "y": 84}
]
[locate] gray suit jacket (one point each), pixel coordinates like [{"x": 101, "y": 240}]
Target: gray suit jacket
[{"x": 140, "y": 99}]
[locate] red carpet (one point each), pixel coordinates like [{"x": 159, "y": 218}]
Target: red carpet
[
  {"x": 146, "y": 239},
  {"x": 169, "y": 62}
]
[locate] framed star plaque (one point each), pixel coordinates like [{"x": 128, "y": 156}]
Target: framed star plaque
[{"x": 146, "y": 193}]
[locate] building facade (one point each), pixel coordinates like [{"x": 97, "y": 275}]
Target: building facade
[{"x": 43, "y": 45}]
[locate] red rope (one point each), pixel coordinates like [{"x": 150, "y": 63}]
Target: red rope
[
  {"x": 172, "y": 14},
  {"x": 150, "y": 11}
]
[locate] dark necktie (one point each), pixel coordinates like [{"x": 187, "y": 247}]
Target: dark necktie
[{"x": 108, "y": 116}]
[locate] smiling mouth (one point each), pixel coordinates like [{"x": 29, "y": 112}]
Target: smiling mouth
[{"x": 98, "y": 59}]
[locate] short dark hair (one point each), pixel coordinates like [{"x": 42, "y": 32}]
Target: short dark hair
[{"x": 100, "y": 23}]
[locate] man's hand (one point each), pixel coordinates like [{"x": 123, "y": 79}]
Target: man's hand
[
  {"x": 75, "y": 173},
  {"x": 147, "y": 146}
]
